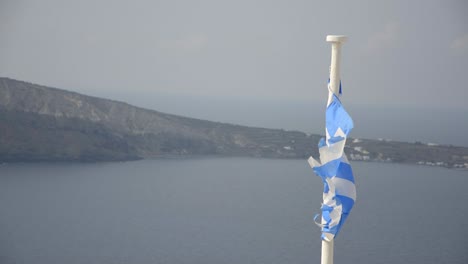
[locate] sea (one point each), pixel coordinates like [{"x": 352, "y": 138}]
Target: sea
[{"x": 225, "y": 210}]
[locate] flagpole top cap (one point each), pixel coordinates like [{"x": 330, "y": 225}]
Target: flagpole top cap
[{"x": 337, "y": 38}]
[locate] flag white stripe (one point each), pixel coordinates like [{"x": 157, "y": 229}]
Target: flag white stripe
[{"x": 344, "y": 187}]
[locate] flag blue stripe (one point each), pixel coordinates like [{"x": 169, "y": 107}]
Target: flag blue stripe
[
  {"x": 346, "y": 203},
  {"x": 328, "y": 169},
  {"x": 345, "y": 172},
  {"x": 337, "y": 117}
]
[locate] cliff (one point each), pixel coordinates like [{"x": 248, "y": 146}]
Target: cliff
[{"x": 40, "y": 123}]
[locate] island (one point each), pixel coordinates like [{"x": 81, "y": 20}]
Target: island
[{"x": 40, "y": 123}]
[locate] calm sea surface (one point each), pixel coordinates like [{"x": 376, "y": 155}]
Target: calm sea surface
[{"x": 225, "y": 210}]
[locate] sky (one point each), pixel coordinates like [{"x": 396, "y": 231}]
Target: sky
[{"x": 261, "y": 63}]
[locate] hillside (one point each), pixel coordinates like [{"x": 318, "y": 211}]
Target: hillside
[{"x": 40, "y": 123}]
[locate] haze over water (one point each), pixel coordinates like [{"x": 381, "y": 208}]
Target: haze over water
[
  {"x": 225, "y": 210},
  {"x": 440, "y": 125}
]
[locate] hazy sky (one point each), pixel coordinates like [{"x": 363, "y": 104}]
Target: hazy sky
[{"x": 400, "y": 53}]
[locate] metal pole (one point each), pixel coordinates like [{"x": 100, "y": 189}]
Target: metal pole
[{"x": 336, "y": 41}]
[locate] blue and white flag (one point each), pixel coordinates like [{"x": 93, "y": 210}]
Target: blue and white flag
[{"x": 339, "y": 191}]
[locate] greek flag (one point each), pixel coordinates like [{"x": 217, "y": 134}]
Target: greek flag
[{"x": 339, "y": 191}]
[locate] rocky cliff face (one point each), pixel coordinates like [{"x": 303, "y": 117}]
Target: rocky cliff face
[
  {"x": 39, "y": 123},
  {"x": 42, "y": 123}
]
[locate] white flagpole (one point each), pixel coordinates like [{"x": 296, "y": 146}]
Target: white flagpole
[
  {"x": 327, "y": 252},
  {"x": 336, "y": 41}
]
